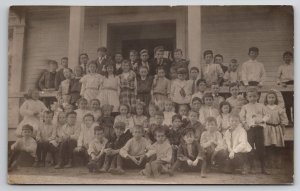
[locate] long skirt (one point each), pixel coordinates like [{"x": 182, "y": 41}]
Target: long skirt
[
  {"x": 273, "y": 136},
  {"x": 109, "y": 97}
]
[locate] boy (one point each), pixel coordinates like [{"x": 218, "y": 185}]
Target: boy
[
  {"x": 97, "y": 149},
  {"x": 237, "y": 145},
  {"x": 132, "y": 155},
  {"x": 24, "y": 145},
  {"x": 253, "y": 72},
  {"x": 70, "y": 133},
  {"x": 64, "y": 87},
  {"x": 159, "y": 122},
  {"x": 207, "y": 110},
  {"x": 114, "y": 146},
  {"x": 180, "y": 62},
  {"x": 253, "y": 116},
  {"x": 161, "y": 86},
  {"x": 45, "y": 134},
  {"x": 83, "y": 61},
  {"x": 183, "y": 110},
  {"x": 201, "y": 86},
  {"x": 102, "y": 60},
  {"x": 161, "y": 152},
  {"x": 196, "y": 104},
  {"x": 195, "y": 124},
  {"x": 218, "y": 59},
  {"x": 232, "y": 75},
  {"x": 161, "y": 61},
  {"x": 236, "y": 101},
  {"x": 168, "y": 112},
  {"x": 107, "y": 120},
  {"x": 47, "y": 80},
  {"x": 181, "y": 90},
  {"x": 210, "y": 71},
  {"x": 118, "y": 63},
  {"x": 133, "y": 57},
  {"x": 144, "y": 61},
  {"x": 190, "y": 156},
  {"x": 194, "y": 76},
  {"x": 175, "y": 134},
  {"x": 215, "y": 89},
  {"x": 60, "y": 74}
]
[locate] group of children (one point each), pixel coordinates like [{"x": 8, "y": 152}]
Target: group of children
[{"x": 154, "y": 115}]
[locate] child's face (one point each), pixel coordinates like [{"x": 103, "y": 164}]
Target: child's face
[
  {"x": 253, "y": 55},
  {"x": 271, "y": 99},
  {"x": 252, "y": 97},
  {"x": 118, "y": 58},
  {"x": 99, "y": 135},
  {"x": 211, "y": 126},
  {"x": 119, "y": 131},
  {"x": 83, "y": 59},
  {"x": 88, "y": 121},
  {"x": 64, "y": 63},
  {"x": 137, "y": 133},
  {"x": 287, "y": 59},
  {"x": 26, "y": 133},
  {"x": 168, "y": 106},
  {"x": 106, "y": 111},
  {"x": 160, "y": 137},
  {"x": 218, "y": 60},
  {"x": 183, "y": 111},
  {"x": 196, "y": 105},
  {"x": 202, "y": 86},
  {"x": 83, "y": 104},
  {"x": 161, "y": 73},
  {"x": 194, "y": 74},
  {"x": 143, "y": 72},
  {"x": 132, "y": 56},
  {"x": 61, "y": 118},
  {"x": 181, "y": 76},
  {"x": 101, "y": 53},
  {"x": 78, "y": 71},
  {"x": 233, "y": 66},
  {"x": 234, "y": 91},
  {"x": 151, "y": 111},
  {"x": 92, "y": 68},
  {"x": 177, "y": 55},
  {"x": 139, "y": 110},
  {"x": 35, "y": 95},
  {"x": 52, "y": 67},
  {"x": 125, "y": 67},
  {"x": 176, "y": 123},
  {"x": 189, "y": 137},
  {"x": 215, "y": 89},
  {"x": 193, "y": 117},
  {"x": 110, "y": 70},
  {"x": 159, "y": 119},
  {"x": 173, "y": 73},
  {"x": 225, "y": 109},
  {"x": 144, "y": 57},
  {"x": 234, "y": 122},
  {"x": 95, "y": 105},
  {"x": 208, "y": 101},
  {"x": 48, "y": 118},
  {"x": 71, "y": 119},
  {"x": 123, "y": 110},
  {"x": 67, "y": 74},
  {"x": 68, "y": 108},
  {"x": 208, "y": 58},
  {"x": 160, "y": 54}
]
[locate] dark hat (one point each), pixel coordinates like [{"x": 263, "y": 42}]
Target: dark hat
[
  {"x": 158, "y": 48},
  {"x": 143, "y": 51},
  {"x": 27, "y": 127},
  {"x": 187, "y": 130}
]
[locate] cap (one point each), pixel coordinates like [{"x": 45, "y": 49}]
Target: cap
[{"x": 143, "y": 51}]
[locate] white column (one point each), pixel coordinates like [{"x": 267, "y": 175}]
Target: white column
[
  {"x": 76, "y": 31},
  {"x": 194, "y": 35}
]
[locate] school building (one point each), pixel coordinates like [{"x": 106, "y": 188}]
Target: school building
[{"x": 39, "y": 33}]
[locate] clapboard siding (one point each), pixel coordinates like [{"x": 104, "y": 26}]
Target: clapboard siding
[
  {"x": 46, "y": 38},
  {"x": 230, "y": 31}
]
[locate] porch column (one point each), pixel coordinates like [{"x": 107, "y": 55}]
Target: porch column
[
  {"x": 194, "y": 35},
  {"x": 76, "y": 31}
]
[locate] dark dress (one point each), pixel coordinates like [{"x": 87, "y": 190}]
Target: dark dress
[
  {"x": 165, "y": 63},
  {"x": 144, "y": 89},
  {"x": 107, "y": 123}
]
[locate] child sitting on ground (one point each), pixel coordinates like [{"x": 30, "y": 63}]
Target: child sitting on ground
[
  {"x": 161, "y": 152},
  {"x": 195, "y": 124},
  {"x": 107, "y": 121},
  {"x": 25, "y": 144},
  {"x": 223, "y": 118},
  {"x": 190, "y": 156},
  {"x": 126, "y": 118},
  {"x": 196, "y": 104}
]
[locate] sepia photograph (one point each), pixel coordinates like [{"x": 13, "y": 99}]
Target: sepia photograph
[{"x": 151, "y": 95}]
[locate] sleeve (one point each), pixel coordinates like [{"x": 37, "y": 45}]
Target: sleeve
[
  {"x": 32, "y": 148},
  {"x": 244, "y": 74},
  {"x": 39, "y": 134},
  {"x": 80, "y": 139},
  {"x": 243, "y": 113},
  {"x": 279, "y": 73},
  {"x": 242, "y": 142},
  {"x": 24, "y": 110},
  {"x": 266, "y": 116},
  {"x": 283, "y": 117},
  {"x": 57, "y": 79},
  {"x": 263, "y": 74},
  {"x": 124, "y": 150},
  {"x": 91, "y": 149},
  {"x": 201, "y": 116},
  {"x": 203, "y": 141},
  {"x": 15, "y": 145},
  {"x": 220, "y": 71},
  {"x": 168, "y": 155},
  {"x": 227, "y": 141},
  {"x": 172, "y": 89},
  {"x": 42, "y": 81},
  {"x": 201, "y": 154},
  {"x": 220, "y": 142},
  {"x": 226, "y": 76},
  {"x": 219, "y": 122},
  {"x": 53, "y": 134},
  {"x": 151, "y": 151},
  {"x": 83, "y": 85}
]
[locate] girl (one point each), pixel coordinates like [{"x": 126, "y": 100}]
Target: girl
[
  {"x": 152, "y": 109},
  {"x": 128, "y": 84},
  {"x": 110, "y": 89},
  {"x": 126, "y": 118},
  {"x": 223, "y": 118},
  {"x": 140, "y": 118},
  {"x": 30, "y": 111},
  {"x": 207, "y": 110},
  {"x": 274, "y": 130},
  {"x": 236, "y": 100},
  {"x": 75, "y": 86},
  {"x": 161, "y": 86},
  {"x": 82, "y": 110},
  {"x": 144, "y": 84},
  {"x": 91, "y": 82},
  {"x": 95, "y": 108},
  {"x": 61, "y": 121},
  {"x": 107, "y": 121},
  {"x": 168, "y": 113}
]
